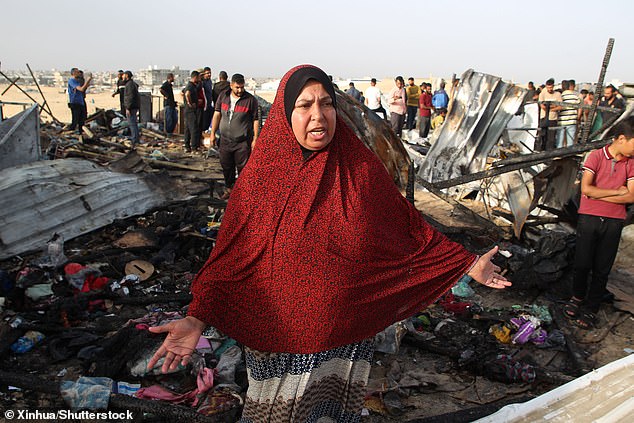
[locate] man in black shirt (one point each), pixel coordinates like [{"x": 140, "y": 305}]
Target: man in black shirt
[
  {"x": 220, "y": 86},
  {"x": 236, "y": 114},
  {"x": 120, "y": 90},
  {"x": 192, "y": 113},
  {"x": 610, "y": 100},
  {"x": 132, "y": 103},
  {"x": 208, "y": 111},
  {"x": 169, "y": 104}
]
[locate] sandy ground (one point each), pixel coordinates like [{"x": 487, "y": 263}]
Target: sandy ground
[
  {"x": 57, "y": 99},
  {"x": 97, "y": 97}
]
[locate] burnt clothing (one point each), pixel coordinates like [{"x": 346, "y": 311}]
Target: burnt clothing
[
  {"x": 237, "y": 124},
  {"x": 168, "y": 91},
  {"x": 219, "y": 88},
  {"x": 131, "y": 98}
]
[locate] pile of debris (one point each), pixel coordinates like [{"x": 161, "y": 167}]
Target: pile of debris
[
  {"x": 122, "y": 233},
  {"x": 76, "y": 315}
]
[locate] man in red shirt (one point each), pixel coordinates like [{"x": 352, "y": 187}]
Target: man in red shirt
[
  {"x": 607, "y": 185},
  {"x": 425, "y": 108}
]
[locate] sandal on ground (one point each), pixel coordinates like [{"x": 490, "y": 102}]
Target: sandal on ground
[
  {"x": 584, "y": 320},
  {"x": 571, "y": 308}
]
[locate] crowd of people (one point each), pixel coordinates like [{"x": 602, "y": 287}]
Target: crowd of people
[
  {"x": 560, "y": 125},
  {"x": 224, "y": 110},
  {"x": 412, "y": 105},
  {"x": 407, "y": 104}
]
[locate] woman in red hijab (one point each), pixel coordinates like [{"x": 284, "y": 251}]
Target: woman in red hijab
[{"x": 317, "y": 253}]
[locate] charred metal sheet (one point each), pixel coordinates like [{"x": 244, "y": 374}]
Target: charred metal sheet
[
  {"x": 20, "y": 138},
  {"x": 519, "y": 198},
  {"x": 522, "y": 129},
  {"x": 478, "y": 114},
  {"x": 71, "y": 197},
  {"x": 552, "y": 185},
  {"x": 377, "y": 135},
  {"x": 627, "y": 113},
  {"x": 555, "y": 185}
]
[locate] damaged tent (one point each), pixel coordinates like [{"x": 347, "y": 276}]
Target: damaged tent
[{"x": 71, "y": 197}]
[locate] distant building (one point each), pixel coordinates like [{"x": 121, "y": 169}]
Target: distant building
[
  {"x": 250, "y": 84},
  {"x": 47, "y": 80},
  {"x": 61, "y": 78},
  {"x": 271, "y": 85},
  {"x": 152, "y": 76}
]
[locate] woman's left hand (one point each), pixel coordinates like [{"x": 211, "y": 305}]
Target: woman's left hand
[{"x": 487, "y": 273}]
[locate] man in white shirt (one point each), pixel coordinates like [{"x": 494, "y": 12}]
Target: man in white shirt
[{"x": 373, "y": 99}]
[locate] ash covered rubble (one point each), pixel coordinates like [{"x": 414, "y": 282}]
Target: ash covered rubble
[
  {"x": 75, "y": 315},
  {"x": 82, "y": 308}
]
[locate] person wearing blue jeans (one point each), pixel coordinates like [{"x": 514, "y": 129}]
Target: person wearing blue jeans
[
  {"x": 169, "y": 104},
  {"x": 171, "y": 117},
  {"x": 133, "y": 120}
]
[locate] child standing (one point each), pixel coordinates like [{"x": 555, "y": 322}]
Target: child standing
[{"x": 607, "y": 185}]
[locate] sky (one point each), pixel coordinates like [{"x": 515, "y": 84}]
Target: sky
[{"x": 517, "y": 41}]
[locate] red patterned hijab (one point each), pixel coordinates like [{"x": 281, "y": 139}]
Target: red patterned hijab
[{"x": 320, "y": 252}]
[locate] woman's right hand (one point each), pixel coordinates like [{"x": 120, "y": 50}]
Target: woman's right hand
[{"x": 181, "y": 341}]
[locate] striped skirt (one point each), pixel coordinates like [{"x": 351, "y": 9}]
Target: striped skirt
[{"x": 324, "y": 387}]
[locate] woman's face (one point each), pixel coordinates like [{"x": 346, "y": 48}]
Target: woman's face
[{"x": 314, "y": 117}]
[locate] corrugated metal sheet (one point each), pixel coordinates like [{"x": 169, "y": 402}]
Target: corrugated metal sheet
[
  {"x": 71, "y": 197},
  {"x": 20, "y": 138},
  {"x": 478, "y": 114}
]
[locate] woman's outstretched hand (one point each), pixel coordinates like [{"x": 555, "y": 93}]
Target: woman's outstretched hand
[
  {"x": 487, "y": 273},
  {"x": 181, "y": 341}
]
